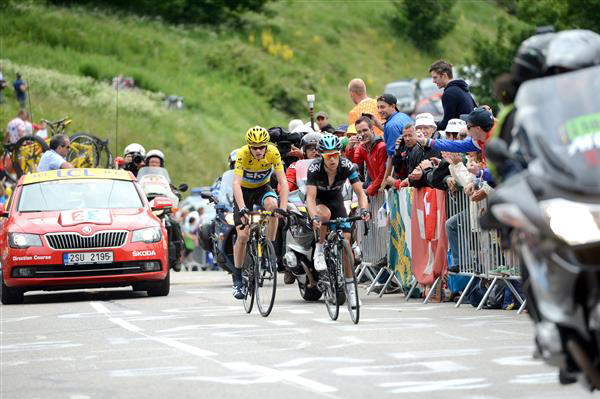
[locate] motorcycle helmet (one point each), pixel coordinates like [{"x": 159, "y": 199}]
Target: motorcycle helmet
[
  {"x": 570, "y": 50},
  {"x": 294, "y": 123},
  {"x": 257, "y": 135},
  {"x": 232, "y": 158},
  {"x": 310, "y": 139},
  {"x": 530, "y": 60},
  {"x": 329, "y": 142},
  {"x": 158, "y": 154},
  {"x": 134, "y": 148}
]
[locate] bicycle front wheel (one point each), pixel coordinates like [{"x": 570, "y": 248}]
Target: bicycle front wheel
[
  {"x": 85, "y": 151},
  {"x": 265, "y": 270},
  {"x": 248, "y": 280},
  {"x": 350, "y": 287},
  {"x": 27, "y": 153},
  {"x": 331, "y": 293}
]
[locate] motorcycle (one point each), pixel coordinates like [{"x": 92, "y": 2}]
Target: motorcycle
[
  {"x": 300, "y": 239},
  {"x": 553, "y": 224},
  {"x": 155, "y": 182},
  {"x": 218, "y": 235}
]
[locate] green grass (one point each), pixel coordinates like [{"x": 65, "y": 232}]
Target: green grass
[{"x": 230, "y": 82}]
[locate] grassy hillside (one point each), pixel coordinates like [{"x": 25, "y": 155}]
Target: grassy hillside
[{"x": 231, "y": 79}]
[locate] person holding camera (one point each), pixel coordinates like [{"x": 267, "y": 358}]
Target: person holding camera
[{"x": 134, "y": 158}]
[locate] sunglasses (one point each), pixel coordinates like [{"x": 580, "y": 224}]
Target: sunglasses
[
  {"x": 331, "y": 155},
  {"x": 257, "y": 148},
  {"x": 66, "y": 146}
]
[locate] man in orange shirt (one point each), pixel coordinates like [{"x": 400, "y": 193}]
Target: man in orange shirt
[{"x": 363, "y": 104}]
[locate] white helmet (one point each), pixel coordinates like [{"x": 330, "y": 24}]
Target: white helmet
[
  {"x": 134, "y": 147},
  {"x": 233, "y": 158},
  {"x": 294, "y": 123},
  {"x": 156, "y": 153}
]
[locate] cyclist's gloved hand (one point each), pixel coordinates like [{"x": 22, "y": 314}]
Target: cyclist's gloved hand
[
  {"x": 316, "y": 221},
  {"x": 244, "y": 213},
  {"x": 365, "y": 214},
  {"x": 280, "y": 211}
]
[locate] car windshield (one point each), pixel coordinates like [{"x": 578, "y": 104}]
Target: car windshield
[
  {"x": 60, "y": 195},
  {"x": 153, "y": 170}
]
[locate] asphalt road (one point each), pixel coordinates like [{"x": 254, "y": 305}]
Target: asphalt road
[{"x": 199, "y": 343}]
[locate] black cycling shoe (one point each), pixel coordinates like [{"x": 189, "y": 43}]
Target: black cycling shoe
[
  {"x": 238, "y": 291},
  {"x": 288, "y": 277}
]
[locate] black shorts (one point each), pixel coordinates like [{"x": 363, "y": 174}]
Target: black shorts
[
  {"x": 335, "y": 204},
  {"x": 253, "y": 196}
]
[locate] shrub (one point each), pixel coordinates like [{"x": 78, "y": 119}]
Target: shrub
[{"x": 89, "y": 70}]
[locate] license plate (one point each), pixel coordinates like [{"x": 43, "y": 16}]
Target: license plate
[{"x": 83, "y": 258}]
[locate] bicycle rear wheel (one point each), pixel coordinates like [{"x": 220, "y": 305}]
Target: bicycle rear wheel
[
  {"x": 266, "y": 277},
  {"x": 248, "y": 279},
  {"x": 85, "y": 151},
  {"x": 27, "y": 153},
  {"x": 350, "y": 288}
]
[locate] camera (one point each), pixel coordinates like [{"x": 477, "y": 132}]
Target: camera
[{"x": 137, "y": 158}]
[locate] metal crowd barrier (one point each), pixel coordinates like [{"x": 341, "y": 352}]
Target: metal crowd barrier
[
  {"x": 480, "y": 253},
  {"x": 374, "y": 245}
]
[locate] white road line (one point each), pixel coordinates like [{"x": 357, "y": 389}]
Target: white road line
[
  {"x": 125, "y": 324},
  {"x": 99, "y": 307},
  {"x": 281, "y": 322},
  {"x": 192, "y": 350},
  {"x": 446, "y": 335}
]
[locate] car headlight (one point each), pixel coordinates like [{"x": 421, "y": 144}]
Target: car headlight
[
  {"x": 24, "y": 240},
  {"x": 150, "y": 234},
  {"x": 575, "y": 222}
]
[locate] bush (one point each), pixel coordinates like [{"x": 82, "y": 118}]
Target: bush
[
  {"x": 424, "y": 22},
  {"x": 89, "y": 70}
]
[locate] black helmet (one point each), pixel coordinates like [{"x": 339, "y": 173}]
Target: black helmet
[
  {"x": 530, "y": 61},
  {"x": 574, "y": 49}
]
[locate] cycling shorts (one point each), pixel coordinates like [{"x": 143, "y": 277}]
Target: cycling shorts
[
  {"x": 253, "y": 196},
  {"x": 335, "y": 204}
]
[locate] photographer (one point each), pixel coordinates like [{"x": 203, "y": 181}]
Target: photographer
[
  {"x": 134, "y": 158},
  {"x": 288, "y": 143}
]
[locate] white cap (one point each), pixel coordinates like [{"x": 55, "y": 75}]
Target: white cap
[
  {"x": 456, "y": 125},
  {"x": 425, "y": 119},
  {"x": 294, "y": 123}
]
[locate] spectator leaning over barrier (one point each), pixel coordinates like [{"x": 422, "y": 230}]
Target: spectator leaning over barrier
[
  {"x": 392, "y": 129},
  {"x": 363, "y": 104},
  {"x": 54, "y": 158},
  {"x": 371, "y": 150},
  {"x": 480, "y": 124},
  {"x": 456, "y": 98},
  {"x": 425, "y": 124}
]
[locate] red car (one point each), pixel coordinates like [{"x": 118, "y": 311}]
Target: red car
[{"x": 82, "y": 228}]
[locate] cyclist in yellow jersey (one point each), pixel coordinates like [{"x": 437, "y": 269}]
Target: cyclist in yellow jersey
[{"x": 255, "y": 163}]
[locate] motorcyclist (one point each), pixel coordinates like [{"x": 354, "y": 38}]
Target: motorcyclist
[
  {"x": 134, "y": 155},
  {"x": 155, "y": 158}
]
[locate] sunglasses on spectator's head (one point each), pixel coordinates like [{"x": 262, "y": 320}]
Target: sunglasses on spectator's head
[
  {"x": 331, "y": 155},
  {"x": 258, "y": 147}
]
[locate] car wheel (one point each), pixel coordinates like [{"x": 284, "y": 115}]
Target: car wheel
[
  {"x": 163, "y": 288},
  {"x": 11, "y": 296}
]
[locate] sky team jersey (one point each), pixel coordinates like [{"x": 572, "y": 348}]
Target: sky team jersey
[
  {"x": 257, "y": 173},
  {"x": 317, "y": 176}
]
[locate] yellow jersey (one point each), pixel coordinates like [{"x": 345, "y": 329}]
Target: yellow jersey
[{"x": 257, "y": 173}]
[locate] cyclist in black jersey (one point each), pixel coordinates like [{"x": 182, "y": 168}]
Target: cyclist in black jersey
[{"x": 324, "y": 200}]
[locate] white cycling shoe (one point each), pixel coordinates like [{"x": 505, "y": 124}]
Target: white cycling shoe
[{"x": 319, "y": 258}]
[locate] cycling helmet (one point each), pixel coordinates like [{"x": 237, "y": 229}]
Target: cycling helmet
[
  {"x": 310, "y": 139},
  {"x": 232, "y": 158},
  {"x": 133, "y": 148},
  {"x": 158, "y": 154},
  {"x": 329, "y": 142},
  {"x": 257, "y": 135},
  {"x": 571, "y": 50},
  {"x": 530, "y": 60}
]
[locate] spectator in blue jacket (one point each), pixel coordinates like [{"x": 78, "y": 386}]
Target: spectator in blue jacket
[
  {"x": 480, "y": 123},
  {"x": 456, "y": 99},
  {"x": 395, "y": 121}
]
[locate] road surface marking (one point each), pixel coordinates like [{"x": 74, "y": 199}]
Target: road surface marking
[{"x": 125, "y": 324}]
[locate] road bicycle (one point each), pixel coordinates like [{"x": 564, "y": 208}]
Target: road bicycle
[
  {"x": 333, "y": 281},
  {"x": 259, "y": 271},
  {"x": 87, "y": 150},
  {"x": 24, "y": 155}
]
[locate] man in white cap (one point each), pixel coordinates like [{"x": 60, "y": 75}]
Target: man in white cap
[{"x": 426, "y": 125}]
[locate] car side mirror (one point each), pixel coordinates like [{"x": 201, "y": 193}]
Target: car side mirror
[
  {"x": 182, "y": 187},
  {"x": 161, "y": 203},
  {"x": 3, "y": 212}
]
